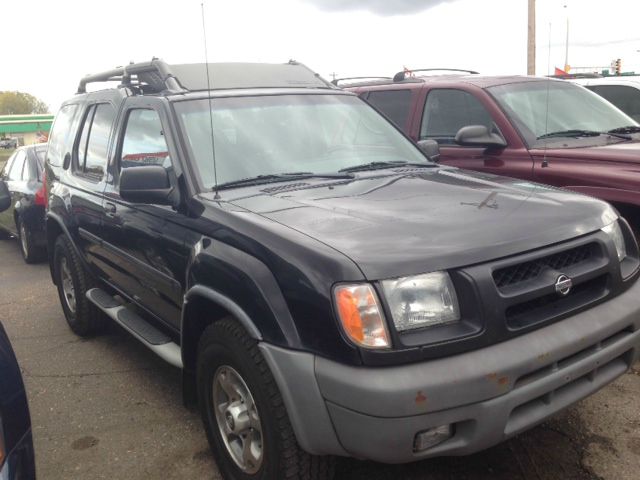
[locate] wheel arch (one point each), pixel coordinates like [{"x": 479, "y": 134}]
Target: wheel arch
[
  {"x": 54, "y": 228},
  {"x": 203, "y": 306}
]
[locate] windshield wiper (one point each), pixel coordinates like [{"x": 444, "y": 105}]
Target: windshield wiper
[
  {"x": 380, "y": 165},
  {"x": 627, "y": 129},
  {"x": 583, "y": 133},
  {"x": 280, "y": 177}
]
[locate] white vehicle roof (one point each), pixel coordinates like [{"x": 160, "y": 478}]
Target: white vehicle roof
[{"x": 630, "y": 81}]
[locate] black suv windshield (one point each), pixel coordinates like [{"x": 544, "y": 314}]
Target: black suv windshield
[
  {"x": 279, "y": 134},
  {"x": 571, "y": 109}
]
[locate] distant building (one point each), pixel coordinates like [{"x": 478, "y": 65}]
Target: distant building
[{"x": 28, "y": 129}]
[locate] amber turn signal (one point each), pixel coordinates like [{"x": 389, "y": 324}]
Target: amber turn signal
[{"x": 361, "y": 316}]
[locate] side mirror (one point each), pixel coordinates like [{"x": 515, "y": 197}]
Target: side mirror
[
  {"x": 5, "y": 196},
  {"x": 479, "y": 136},
  {"x": 431, "y": 149},
  {"x": 148, "y": 184}
]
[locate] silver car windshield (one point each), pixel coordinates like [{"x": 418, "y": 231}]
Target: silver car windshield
[
  {"x": 541, "y": 108},
  {"x": 282, "y": 134}
]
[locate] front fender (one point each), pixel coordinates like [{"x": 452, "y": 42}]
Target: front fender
[{"x": 234, "y": 283}]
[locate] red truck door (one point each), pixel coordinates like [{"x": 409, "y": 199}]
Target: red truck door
[{"x": 443, "y": 111}]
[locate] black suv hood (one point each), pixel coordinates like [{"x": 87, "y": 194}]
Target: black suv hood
[{"x": 400, "y": 223}]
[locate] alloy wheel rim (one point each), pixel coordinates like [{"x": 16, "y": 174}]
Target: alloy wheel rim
[
  {"x": 238, "y": 419},
  {"x": 67, "y": 285}
]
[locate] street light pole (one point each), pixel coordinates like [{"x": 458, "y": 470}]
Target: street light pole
[{"x": 531, "y": 39}]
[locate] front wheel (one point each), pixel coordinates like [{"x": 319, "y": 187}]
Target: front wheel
[{"x": 243, "y": 412}]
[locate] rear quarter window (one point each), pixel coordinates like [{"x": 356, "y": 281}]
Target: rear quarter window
[
  {"x": 61, "y": 138},
  {"x": 395, "y": 104}
]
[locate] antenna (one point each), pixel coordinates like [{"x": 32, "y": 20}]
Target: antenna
[
  {"x": 213, "y": 144},
  {"x": 545, "y": 160}
]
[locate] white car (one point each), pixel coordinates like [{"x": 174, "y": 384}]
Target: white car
[{"x": 623, "y": 92}]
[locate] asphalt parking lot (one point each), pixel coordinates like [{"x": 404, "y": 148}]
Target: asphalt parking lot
[{"x": 108, "y": 408}]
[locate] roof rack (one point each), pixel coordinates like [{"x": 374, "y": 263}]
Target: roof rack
[
  {"x": 400, "y": 76},
  {"x": 336, "y": 81},
  {"x": 157, "y": 76},
  {"x": 150, "y": 77}
]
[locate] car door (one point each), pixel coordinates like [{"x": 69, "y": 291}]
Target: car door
[
  {"x": 16, "y": 186},
  {"x": 446, "y": 110},
  {"x": 86, "y": 183},
  {"x": 144, "y": 255}
]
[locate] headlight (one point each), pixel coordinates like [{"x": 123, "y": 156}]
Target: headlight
[
  {"x": 422, "y": 301},
  {"x": 615, "y": 232},
  {"x": 361, "y": 315}
]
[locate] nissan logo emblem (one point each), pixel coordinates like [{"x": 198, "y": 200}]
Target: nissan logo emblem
[{"x": 563, "y": 285}]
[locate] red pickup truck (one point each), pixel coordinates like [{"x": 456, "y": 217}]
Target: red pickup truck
[{"x": 536, "y": 129}]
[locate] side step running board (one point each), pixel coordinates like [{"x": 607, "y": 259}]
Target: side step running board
[{"x": 150, "y": 336}]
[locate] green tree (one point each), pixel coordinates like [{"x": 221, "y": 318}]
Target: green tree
[{"x": 20, "y": 103}]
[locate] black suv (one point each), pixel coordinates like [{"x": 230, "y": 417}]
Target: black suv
[{"x": 325, "y": 288}]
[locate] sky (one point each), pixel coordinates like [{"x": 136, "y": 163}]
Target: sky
[{"x": 49, "y": 45}]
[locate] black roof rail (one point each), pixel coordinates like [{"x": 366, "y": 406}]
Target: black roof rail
[
  {"x": 155, "y": 75},
  {"x": 336, "y": 81},
  {"x": 400, "y": 76}
]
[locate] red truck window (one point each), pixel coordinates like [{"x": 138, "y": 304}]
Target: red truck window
[{"x": 447, "y": 111}]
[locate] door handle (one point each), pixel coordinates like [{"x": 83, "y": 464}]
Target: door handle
[{"x": 110, "y": 209}]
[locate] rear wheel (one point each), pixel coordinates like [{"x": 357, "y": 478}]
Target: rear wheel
[
  {"x": 30, "y": 252},
  {"x": 73, "y": 282},
  {"x": 243, "y": 413}
]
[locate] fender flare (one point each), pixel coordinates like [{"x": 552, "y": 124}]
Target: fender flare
[
  {"x": 224, "y": 302},
  {"x": 52, "y": 217}
]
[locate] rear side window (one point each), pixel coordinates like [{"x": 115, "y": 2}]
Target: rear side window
[
  {"x": 60, "y": 135},
  {"x": 7, "y": 166},
  {"x": 144, "y": 142},
  {"x": 395, "y": 104},
  {"x": 625, "y": 98},
  {"x": 94, "y": 141},
  {"x": 447, "y": 111},
  {"x": 18, "y": 166}
]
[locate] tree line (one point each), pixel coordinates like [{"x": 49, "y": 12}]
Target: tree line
[{"x": 20, "y": 103}]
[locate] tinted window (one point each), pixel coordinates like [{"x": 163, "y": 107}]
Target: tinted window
[
  {"x": 18, "y": 166},
  {"x": 98, "y": 143},
  {"x": 625, "y": 98},
  {"x": 447, "y": 111},
  {"x": 144, "y": 142},
  {"x": 59, "y": 138},
  {"x": 81, "y": 154},
  {"x": 395, "y": 104}
]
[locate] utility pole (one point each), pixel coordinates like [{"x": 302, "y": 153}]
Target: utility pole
[{"x": 531, "y": 39}]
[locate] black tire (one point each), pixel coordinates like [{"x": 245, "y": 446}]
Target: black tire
[
  {"x": 227, "y": 344},
  {"x": 85, "y": 319},
  {"x": 4, "y": 235},
  {"x": 30, "y": 252}
]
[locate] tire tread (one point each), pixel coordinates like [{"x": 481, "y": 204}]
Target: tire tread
[{"x": 296, "y": 464}]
